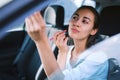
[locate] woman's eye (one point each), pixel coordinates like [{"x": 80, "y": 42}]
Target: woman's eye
[
  {"x": 75, "y": 18},
  {"x": 85, "y": 22}
]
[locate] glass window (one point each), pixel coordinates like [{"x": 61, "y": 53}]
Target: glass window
[
  {"x": 71, "y": 5},
  {"x": 90, "y": 3},
  {"x": 4, "y": 2}
]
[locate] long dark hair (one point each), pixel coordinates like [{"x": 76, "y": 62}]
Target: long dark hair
[{"x": 92, "y": 38}]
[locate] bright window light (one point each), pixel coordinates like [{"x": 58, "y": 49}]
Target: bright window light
[
  {"x": 90, "y": 3},
  {"x": 78, "y": 3},
  {"x": 4, "y": 2}
]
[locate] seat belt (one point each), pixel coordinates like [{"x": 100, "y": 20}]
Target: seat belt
[
  {"x": 25, "y": 42},
  {"x": 21, "y": 74}
]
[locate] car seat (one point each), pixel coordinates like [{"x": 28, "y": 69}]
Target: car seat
[
  {"x": 110, "y": 25},
  {"x": 114, "y": 69},
  {"x": 54, "y": 18}
]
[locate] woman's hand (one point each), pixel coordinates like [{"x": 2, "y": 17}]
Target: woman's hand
[
  {"x": 61, "y": 41},
  {"x": 35, "y": 26},
  {"x": 36, "y": 29}
]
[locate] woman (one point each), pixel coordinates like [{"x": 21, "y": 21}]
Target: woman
[{"x": 72, "y": 63}]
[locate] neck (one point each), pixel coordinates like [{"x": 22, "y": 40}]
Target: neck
[{"x": 80, "y": 46}]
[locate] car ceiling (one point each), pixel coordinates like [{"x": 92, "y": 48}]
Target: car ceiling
[
  {"x": 13, "y": 15},
  {"x": 105, "y": 3}
]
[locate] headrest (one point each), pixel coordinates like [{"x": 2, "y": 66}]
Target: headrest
[
  {"x": 110, "y": 20},
  {"x": 54, "y": 15}
]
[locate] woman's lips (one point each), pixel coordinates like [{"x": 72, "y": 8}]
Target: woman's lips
[{"x": 75, "y": 30}]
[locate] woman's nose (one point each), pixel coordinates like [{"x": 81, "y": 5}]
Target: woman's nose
[{"x": 77, "y": 23}]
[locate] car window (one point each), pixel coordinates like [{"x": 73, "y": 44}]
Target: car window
[
  {"x": 71, "y": 5},
  {"x": 4, "y": 2}
]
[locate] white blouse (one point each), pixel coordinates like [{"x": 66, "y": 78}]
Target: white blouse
[{"x": 88, "y": 66}]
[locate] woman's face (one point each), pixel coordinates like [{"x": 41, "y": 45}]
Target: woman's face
[{"x": 81, "y": 24}]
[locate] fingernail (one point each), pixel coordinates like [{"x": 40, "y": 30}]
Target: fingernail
[
  {"x": 51, "y": 38},
  {"x": 62, "y": 31}
]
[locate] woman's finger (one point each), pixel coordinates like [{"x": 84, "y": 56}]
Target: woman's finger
[
  {"x": 65, "y": 40},
  {"x": 58, "y": 33},
  {"x": 61, "y": 37},
  {"x": 35, "y": 22},
  {"x": 31, "y": 23},
  {"x": 40, "y": 20},
  {"x": 28, "y": 24}
]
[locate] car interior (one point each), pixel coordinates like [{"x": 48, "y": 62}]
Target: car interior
[{"x": 19, "y": 58}]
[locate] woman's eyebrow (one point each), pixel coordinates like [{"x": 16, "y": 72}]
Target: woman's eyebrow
[
  {"x": 83, "y": 17},
  {"x": 87, "y": 18},
  {"x": 76, "y": 14}
]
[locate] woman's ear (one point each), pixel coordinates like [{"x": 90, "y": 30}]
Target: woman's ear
[{"x": 94, "y": 31}]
